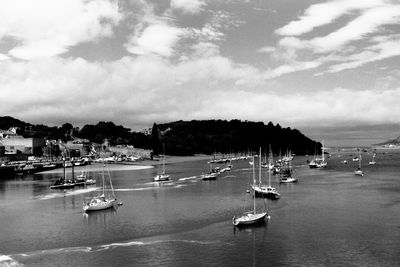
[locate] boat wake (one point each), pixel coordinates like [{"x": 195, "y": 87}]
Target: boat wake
[
  {"x": 189, "y": 178},
  {"x": 157, "y": 186},
  {"x": 7, "y": 261},
  {"x": 65, "y": 193}
]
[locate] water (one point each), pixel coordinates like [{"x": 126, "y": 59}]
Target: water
[{"x": 331, "y": 217}]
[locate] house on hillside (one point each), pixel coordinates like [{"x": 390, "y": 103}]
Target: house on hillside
[{"x": 18, "y": 145}]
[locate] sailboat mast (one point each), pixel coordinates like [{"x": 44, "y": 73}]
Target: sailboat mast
[
  {"x": 163, "y": 171},
  {"x": 259, "y": 168},
  {"x": 103, "y": 179},
  {"x": 323, "y": 154},
  {"x": 254, "y": 183},
  {"x": 64, "y": 168},
  {"x": 269, "y": 164},
  {"x": 359, "y": 160}
]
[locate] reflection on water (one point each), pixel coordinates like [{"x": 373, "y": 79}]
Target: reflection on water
[
  {"x": 100, "y": 217},
  {"x": 252, "y": 229}
]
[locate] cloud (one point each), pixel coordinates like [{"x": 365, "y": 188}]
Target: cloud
[
  {"x": 345, "y": 47},
  {"x": 322, "y": 14},
  {"x": 45, "y": 28},
  {"x": 137, "y": 91},
  {"x": 385, "y": 47},
  {"x": 188, "y": 6},
  {"x": 3, "y": 57},
  {"x": 292, "y": 67},
  {"x": 158, "y": 39},
  {"x": 267, "y": 49},
  {"x": 133, "y": 89},
  {"x": 359, "y": 28}
]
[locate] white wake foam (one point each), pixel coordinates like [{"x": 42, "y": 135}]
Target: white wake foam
[
  {"x": 65, "y": 193},
  {"x": 7, "y": 261}
]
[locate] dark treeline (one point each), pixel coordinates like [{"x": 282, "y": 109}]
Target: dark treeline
[
  {"x": 210, "y": 136},
  {"x": 180, "y": 137}
]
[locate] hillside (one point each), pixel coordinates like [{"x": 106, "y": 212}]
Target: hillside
[
  {"x": 181, "y": 137},
  {"x": 209, "y": 136},
  {"x": 395, "y": 142}
]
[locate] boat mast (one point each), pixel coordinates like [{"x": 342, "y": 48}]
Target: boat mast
[
  {"x": 103, "y": 178},
  {"x": 323, "y": 154},
  {"x": 269, "y": 170},
  {"x": 254, "y": 183},
  {"x": 359, "y": 159},
  {"x": 259, "y": 168},
  {"x": 112, "y": 188},
  {"x": 64, "y": 169},
  {"x": 163, "y": 171}
]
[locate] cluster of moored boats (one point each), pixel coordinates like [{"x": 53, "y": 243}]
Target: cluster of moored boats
[
  {"x": 283, "y": 168},
  {"x": 74, "y": 181},
  {"x": 358, "y": 159}
]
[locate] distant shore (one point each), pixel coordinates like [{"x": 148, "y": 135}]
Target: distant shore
[{"x": 127, "y": 166}]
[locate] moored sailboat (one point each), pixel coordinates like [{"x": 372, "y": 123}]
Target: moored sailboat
[
  {"x": 161, "y": 177},
  {"x": 103, "y": 201},
  {"x": 373, "y": 162},
  {"x": 251, "y": 217},
  {"x": 261, "y": 190},
  {"x": 359, "y": 172},
  {"x": 62, "y": 182}
]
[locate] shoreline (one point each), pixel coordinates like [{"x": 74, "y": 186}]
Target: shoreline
[{"x": 129, "y": 166}]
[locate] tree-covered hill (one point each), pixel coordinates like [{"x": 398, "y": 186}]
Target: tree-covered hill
[
  {"x": 180, "y": 137},
  {"x": 210, "y": 136}
]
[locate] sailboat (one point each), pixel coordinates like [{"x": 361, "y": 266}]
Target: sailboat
[
  {"x": 251, "y": 217},
  {"x": 162, "y": 176},
  {"x": 359, "y": 171},
  {"x": 62, "y": 182},
  {"x": 373, "y": 162},
  {"x": 212, "y": 175},
  {"x": 287, "y": 177},
  {"x": 319, "y": 162},
  {"x": 262, "y": 190},
  {"x": 102, "y": 201}
]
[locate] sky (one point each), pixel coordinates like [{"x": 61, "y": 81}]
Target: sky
[{"x": 303, "y": 64}]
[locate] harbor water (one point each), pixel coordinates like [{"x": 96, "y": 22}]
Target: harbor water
[{"x": 330, "y": 217}]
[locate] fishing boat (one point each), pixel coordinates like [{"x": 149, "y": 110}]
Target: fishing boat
[
  {"x": 359, "y": 172},
  {"x": 261, "y": 190},
  {"x": 161, "y": 177},
  {"x": 103, "y": 201},
  {"x": 251, "y": 217}
]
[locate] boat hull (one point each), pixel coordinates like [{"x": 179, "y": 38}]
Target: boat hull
[
  {"x": 162, "y": 178},
  {"x": 288, "y": 180},
  {"x": 359, "y": 173},
  {"x": 100, "y": 206},
  {"x": 62, "y": 186},
  {"x": 265, "y": 193},
  {"x": 249, "y": 219},
  {"x": 211, "y": 176}
]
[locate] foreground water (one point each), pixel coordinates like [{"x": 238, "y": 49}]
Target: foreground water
[{"x": 331, "y": 217}]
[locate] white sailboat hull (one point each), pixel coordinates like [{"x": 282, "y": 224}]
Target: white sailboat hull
[
  {"x": 162, "y": 177},
  {"x": 99, "y": 205},
  {"x": 359, "y": 173},
  {"x": 249, "y": 218},
  {"x": 288, "y": 180}
]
